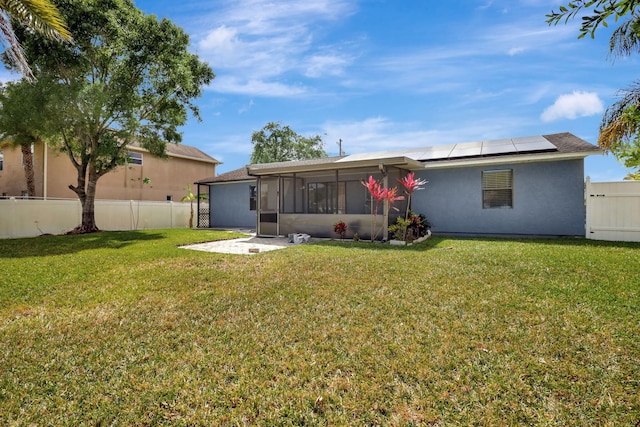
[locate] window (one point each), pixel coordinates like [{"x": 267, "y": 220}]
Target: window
[
  {"x": 497, "y": 189},
  {"x": 1, "y": 160},
  {"x": 134, "y": 158},
  {"x": 253, "y": 197},
  {"x": 326, "y": 197},
  {"x": 169, "y": 198}
]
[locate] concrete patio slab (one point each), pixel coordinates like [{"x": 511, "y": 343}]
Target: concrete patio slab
[{"x": 249, "y": 245}]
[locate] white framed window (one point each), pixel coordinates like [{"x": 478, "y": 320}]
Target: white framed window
[
  {"x": 497, "y": 189},
  {"x": 1, "y": 160},
  {"x": 134, "y": 158}
]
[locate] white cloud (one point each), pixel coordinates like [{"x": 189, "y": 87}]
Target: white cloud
[
  {"x": 572, "y": 106},
  {"x": 256, "y": 87},
  {"x": 262, "y": 40},
  {"x": 246, "y": 108},
  {"x": 325, "y": 65},
  {"x": 380, "y": 133}
]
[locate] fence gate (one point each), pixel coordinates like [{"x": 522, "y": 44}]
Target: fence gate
[
  {"x": 613, "y": 210},
  {"x": 203, "y": 217}
]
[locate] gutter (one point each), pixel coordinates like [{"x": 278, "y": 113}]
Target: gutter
[{"x": 500, "y": 160}]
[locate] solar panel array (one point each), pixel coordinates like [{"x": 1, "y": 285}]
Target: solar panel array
[{"x": 494, "y": 147}]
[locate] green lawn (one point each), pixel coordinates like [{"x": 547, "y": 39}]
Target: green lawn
[{"x": 121, "y": 329}]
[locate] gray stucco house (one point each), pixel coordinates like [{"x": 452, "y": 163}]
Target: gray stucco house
[{"x": 517, "y": 186}]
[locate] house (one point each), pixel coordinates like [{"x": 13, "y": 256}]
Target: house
[
  {"x": 144, "y": 177},
  {"x": 517, "y": 186}
]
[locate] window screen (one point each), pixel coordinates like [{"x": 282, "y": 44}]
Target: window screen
[{"x": 497, "y": 189}]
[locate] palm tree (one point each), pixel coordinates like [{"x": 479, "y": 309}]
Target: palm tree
[
  {"x": 22, "y": 124},
  {"x": 41, "y": 16},
  {"x": 190, "y": 197}
]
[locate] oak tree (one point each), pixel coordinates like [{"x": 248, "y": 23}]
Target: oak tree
[
  {"x": 277, "y": 143},
  {"x": 128, "y": 78}
]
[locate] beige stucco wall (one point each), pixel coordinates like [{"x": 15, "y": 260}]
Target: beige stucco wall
[
  {"x": 167, "y": 177},
  {"x": 12, "y": 178}
]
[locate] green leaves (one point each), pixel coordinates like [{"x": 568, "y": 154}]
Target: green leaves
[
  {"x": 597, "y": 17},
  {"x": 621, "y": 122},
  {"x": 129, "y": 78},
  {"x": 275, "y": 143}
]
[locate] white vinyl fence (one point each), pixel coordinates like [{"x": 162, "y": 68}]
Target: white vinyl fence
[
  {"x": 25, "y": 218},
  {"x": 613, "y": 210}
]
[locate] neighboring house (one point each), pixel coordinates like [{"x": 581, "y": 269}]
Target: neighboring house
[
  {"x": 145, "y": 177},
  {"x": 521, "y": 186}
]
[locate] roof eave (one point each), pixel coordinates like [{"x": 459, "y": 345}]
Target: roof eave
[
  {"x": 402, "y": 161},
  {"x": 178, "y": 156},
  {"x": 519, "y": 158}
]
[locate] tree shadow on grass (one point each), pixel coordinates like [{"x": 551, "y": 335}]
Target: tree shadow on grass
[
  {"x": 431, "y": 243},
  {"x": 448, "y": 241},
  {"x": 50, "y": 245}
]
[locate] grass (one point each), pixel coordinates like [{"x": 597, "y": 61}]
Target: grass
[{"x": 127, "y": 329}]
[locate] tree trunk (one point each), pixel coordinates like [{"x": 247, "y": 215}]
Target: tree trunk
[
  {"x": 191, "y": 217},
  {"x": 27, "y": 160},
  {"x": 87, "y": 198}
]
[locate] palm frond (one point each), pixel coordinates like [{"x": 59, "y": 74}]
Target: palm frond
[
  {"x": 40, "y": 15},
  {"x": 621, "y": 121},
  {"x": 625, "y": 40},
  {"x": 13, "y": 48}
]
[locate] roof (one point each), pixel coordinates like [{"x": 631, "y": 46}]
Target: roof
[
  {"x": 522, "y": 149},
  {"x": 183, "y": 151},
  {"x": 231, "y": 176}
]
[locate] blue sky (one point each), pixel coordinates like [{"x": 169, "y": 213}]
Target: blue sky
[{"x": 384, "y": 74}]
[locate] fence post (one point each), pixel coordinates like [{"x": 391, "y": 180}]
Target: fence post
[
  {"x": 13, "y": 217},
  {"x": 588, "y": 203}
]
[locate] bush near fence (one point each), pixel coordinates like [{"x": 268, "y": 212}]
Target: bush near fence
[{"x": 29, "y": 217}]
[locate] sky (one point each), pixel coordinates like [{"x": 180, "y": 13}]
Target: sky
[{"x": 389, "y": 74}]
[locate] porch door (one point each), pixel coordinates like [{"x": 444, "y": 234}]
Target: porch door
[{"x": 269, "y": 189}]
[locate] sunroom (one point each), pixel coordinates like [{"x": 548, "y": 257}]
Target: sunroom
[{"x": 310, "y": 196}]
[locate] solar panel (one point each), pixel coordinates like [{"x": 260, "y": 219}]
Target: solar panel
[
  {"x": 467, "y": 149},
  {"x": 527, "y": 144},
  {"x": 436, "y": 152},
  {"x": 498, "y": 146}
]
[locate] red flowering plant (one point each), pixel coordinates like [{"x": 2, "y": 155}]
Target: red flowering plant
[
  {"x": 410, "y": 184},
  {"x": 340, "y": 228},
  {"x": 379, "y": 194}
]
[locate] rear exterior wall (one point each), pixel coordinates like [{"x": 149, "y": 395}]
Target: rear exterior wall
[
  {"x": 229, "y": 205},
  {"x": 548, "y": 200}
]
